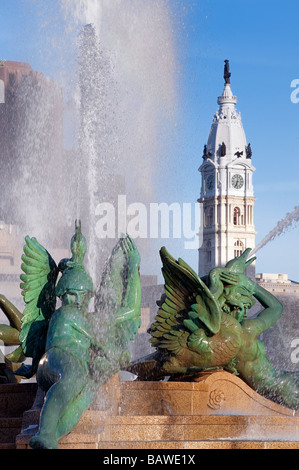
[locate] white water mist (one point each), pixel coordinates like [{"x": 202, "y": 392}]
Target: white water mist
[{"x": 133, "y": 80}]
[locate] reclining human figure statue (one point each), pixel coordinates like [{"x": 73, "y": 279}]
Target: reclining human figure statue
[
  {"x": 201, "y": 324},
  {"x": 74, "y": 352}
]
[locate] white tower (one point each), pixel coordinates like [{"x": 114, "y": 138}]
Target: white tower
[{"x": 227, "y": 191}]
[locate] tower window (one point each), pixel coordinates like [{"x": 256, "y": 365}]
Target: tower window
[
  {"x": 209, "y": 217},
  {"x": 208, "y": 252},
  {"x": 7, "y": 258},
  {"x": 237, "y": 216},
  {"x": 238, "y": 248},
  {"x": 250, "y": 212}
]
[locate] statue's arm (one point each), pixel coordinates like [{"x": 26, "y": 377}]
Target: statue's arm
[
  {"x": 132, "y": 299},
  {"x": 84, "y": 331},
  {"x": 12, "y": 313},
  {"x": 215, "y": 284},
  {"x": 131, "y": 304},
  {"x": 272, "y": 309}
]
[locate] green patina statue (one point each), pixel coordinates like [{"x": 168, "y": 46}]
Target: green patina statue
[
  {"x": 201, "y": 324},
  {"x": 73, "y": 351},
  {"x": 9, "y": 336}
]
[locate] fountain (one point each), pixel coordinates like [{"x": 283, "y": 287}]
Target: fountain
[
  {"x": 207, "y": 406},
  {"x": 222, "y": 390},
  {"x": 116, "y": 95}
]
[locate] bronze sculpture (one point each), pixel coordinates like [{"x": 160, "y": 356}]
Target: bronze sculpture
[
  {"x": 227, "y": 73},
  {"x": 9, "y": 336},
  {"x": 73, "y": 351},
  {"x": 248, "y": 151},
  {"x": 222, "y": 150},
  {"x": 201, "y": 324}
]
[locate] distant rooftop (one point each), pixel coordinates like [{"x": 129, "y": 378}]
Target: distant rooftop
[{"x": 273, "y": 277}]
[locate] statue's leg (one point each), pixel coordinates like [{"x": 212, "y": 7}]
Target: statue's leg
[
  {"x": 274, "y": 384},
  {"x": 9, "y": 335},
  {"x": 71, "y": 382},
  {"x": 17, "y": 355},
  {"x": 73, "y": 412}
]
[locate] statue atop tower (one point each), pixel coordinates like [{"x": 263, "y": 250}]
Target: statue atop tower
[{"x": 227, "y": 73}]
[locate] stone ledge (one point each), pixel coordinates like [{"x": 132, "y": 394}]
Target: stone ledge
[
  {"x": 149, "y": 429},
  {"x": 210, "y": 393},
  {"x": 204, "y": 444},
  {"x": 217, "y": 410}
]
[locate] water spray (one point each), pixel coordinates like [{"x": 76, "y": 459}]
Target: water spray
[{"x": 280, "y": 228}]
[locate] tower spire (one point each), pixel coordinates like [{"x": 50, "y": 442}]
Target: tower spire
[{"x": 227, "y": 73}]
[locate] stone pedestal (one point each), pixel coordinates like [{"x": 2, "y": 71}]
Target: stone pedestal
[{"x": 217, "y": 410}]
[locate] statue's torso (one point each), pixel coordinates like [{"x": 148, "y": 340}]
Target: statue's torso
[{"x": 66, "y": 331}]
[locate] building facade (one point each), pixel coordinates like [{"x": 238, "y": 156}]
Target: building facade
[
  {"x": 33, "y": 164},
  {"x": 227, "y": 193}
]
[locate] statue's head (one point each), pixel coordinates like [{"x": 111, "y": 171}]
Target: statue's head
[
  {"x": 75, "y": 287},
  {"x": 236, "y": 301},
  {"x": 239, "y": 264}
]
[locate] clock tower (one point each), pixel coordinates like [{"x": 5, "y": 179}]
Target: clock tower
[{"x": 227, "y": 195}]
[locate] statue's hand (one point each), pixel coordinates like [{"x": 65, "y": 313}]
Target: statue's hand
[
  {"x": 238, "y": 280},
  {"x": 229, "y": 278},
  {"x": 133, "y": 256}
]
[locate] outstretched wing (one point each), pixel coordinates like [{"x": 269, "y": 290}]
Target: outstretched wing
[
  {"x": 38, "y": 290},
  {"x": 118, "y": 299},
  {"x": 186, "y": 305}
]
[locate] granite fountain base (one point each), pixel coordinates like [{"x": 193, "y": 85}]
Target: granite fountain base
[{"x": 215, "y": 411}]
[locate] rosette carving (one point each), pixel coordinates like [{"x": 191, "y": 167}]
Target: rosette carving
[{"x": 216, "y": 398}]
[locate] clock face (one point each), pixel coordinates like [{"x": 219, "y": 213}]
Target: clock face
[
  {"x": 210, "y": 182},
  {"x": 237, "y": 181}
]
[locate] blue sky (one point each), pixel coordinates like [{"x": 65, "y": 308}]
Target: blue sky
[{"x": 261, "y": 40}]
